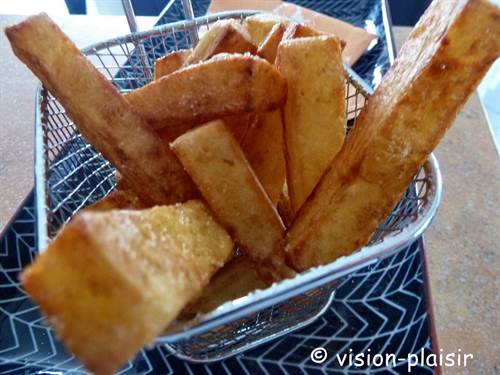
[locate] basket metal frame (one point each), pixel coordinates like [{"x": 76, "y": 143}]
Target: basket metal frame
[{"x": 279, "y": 293}]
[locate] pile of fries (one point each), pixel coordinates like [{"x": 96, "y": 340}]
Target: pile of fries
[{"x": 234, "y": 170}]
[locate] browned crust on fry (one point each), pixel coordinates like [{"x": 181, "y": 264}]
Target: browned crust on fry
[
  {"x": 122, "y": 276},
  {"x": 227, "y": 84},
  {"x": 314, "y": 113},
  {"x": 438, "y": 67},
  {"x": 171, "y": 62},
  {"x": 100, "y": 113},
  {"x": 215, "y": 161},
  {"x": 225, "y": 36},
  {"x": 240, "y": 125},
  {"x": 121, "y": 183}
]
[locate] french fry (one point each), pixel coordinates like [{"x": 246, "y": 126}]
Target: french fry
[
  {"x": 298, "y": 30},
  {"x": 239, "y": 125},
  {"x": 227, "y": 84},
  {"x": 269, "y": 46},
  {"x": 236, "y": 279},
  {"x": 171, "y": 62},
  {"x": 223, "y": 36},
  {"x": 231, "y": 37},
  {"x": 263, "y": 147},
  {"x": 118, "y": 199},
  {"x": 263, "y": 144},
  {"x": 100, "y": 112},
  {"x": 259, "y": 25},
  {"x": 314, "y": 114},
  {"x": 122, "y": 276},
  {"x": 284, "y": 207},
  {"x": 438, "y": 67},
  {"x": 217, "y": 165}
]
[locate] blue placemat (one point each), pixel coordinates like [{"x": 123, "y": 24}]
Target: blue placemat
[{"x": 378, "y": 310}]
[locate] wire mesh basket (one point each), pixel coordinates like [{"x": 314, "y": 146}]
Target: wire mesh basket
[{"x": 70, "y": 175}]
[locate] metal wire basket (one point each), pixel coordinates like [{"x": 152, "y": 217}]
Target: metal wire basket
[{"x": 70, "y": 175}]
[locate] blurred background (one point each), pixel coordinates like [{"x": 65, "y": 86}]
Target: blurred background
[{"x": 402, "y": 12}]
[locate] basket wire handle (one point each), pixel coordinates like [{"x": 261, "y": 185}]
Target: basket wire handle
[
  {"x": 132, "y": 23},
  {"x": 189, "y": 14}
]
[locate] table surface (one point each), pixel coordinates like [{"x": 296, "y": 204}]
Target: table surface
[{"x": 462, "y": 244}]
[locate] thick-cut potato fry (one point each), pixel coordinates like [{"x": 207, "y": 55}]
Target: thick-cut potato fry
[
  {"x": 119, "y": 199},
  {"x": 440, "y": 64},
  {"x": 171, "y": 62},
  {"x": 236, "y": 279},
  {"x": 100, "y": 112},
  {"x": 227, "y": 84},
  {"x": 122, "y": 276},
  {"x": 298, "y": 30},
  {"x": 269, "y": 46},
  {"x": 223, "y": 36},
  {"x": 263, "y": 146},
  {"x": 239, "y": 125},
  {"x": 259, "y": 25},
  {"x": 217, "y": 165},
  {"x": 170, "y": 133},
  {"x": 314, "y": 114},
  {"x": 285, "y": 208}
]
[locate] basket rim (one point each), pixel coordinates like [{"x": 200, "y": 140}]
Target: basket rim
[{"x": 184, "y": 25}]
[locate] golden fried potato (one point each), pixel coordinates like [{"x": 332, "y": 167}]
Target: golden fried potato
[
  {"x": 263, "y": 147},
  {"x": 171, "y": 62},
  {"x": 122, "y": 276},
  {"x": 118, "y": 199},
  {"x": 259, "y": 25},
  {"x": 236, "y": 279},
  {"x": 269, "y": 46},
  {"x": 227, "y": 84},
  {"x": 100, "y": 112},
  {"x": 298, "y": 30},
  {"x": 314, "y": 114},
  {"x": 217, "y": 165},
  {"x": 440, "y": 64},
  {"x": 223, "y": 36},
  {"x": 263, "y": 144},
  {"x": 285, "y": 208},
  {"x": 239, "y": 125}
]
